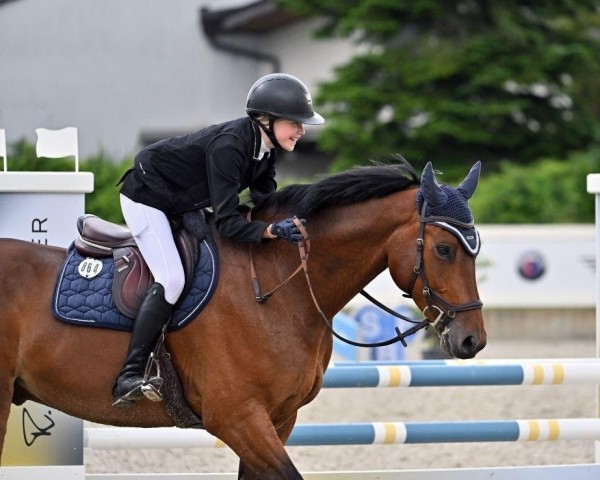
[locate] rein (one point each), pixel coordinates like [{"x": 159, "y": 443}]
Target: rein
[
  {"x": 304, "y": 250},
  {"x": 446, "y": 313}
]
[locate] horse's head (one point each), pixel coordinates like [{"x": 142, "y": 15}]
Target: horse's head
[
  {"x": 443, "y": 283},
  {"x": 360, "y": 219}
]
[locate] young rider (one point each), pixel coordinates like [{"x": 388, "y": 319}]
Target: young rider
[{"x": 207, "y": 168}]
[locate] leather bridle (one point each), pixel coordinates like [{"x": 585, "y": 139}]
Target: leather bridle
[{"x": 446, "y": 310}]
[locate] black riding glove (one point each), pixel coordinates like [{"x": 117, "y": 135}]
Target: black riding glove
[{"x": 287, "y": 229}]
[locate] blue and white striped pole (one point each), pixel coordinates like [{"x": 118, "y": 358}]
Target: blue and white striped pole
[
  {"x": 418, "y": 375},
  {"x": 446, "y": 432},
  {"x": 537, "y": 430},
  {"x": 456, "y": 362}
]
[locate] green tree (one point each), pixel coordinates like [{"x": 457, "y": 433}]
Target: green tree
[
  {"x": 546, "y": 191},
  {"x": 459, "y": 80}
]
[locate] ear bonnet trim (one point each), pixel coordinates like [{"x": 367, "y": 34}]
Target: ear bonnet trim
[{"x": 449, "y": 211}]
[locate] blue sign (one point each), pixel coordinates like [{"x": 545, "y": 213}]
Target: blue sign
[{"x": 375, "y": 326}]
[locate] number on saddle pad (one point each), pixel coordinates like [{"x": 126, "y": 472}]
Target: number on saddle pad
[{"x": 90, "y": 267}]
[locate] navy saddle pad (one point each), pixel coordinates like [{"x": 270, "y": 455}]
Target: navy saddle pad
[{"x": 82, "y": 301}]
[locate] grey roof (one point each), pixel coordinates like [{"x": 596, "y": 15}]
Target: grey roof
[{"x": 255, "y": 17}]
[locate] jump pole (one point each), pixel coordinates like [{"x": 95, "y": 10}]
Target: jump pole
[
  {"x": 544, "y": 372},
  {"x": 456, "y": 362},
  {"x": 593, "y": 187},
  {"x": 370, "y": 433},
  {"x": 555, "y": 472}
]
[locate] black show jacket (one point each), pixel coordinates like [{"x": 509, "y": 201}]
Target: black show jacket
[{"x": 209, "y": 167}]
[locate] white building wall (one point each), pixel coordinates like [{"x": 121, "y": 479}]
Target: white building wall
[{"x": 116, "y": 69}]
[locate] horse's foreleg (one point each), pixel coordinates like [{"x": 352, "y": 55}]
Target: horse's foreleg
[
  {"x": 252, "y": 436},
  {"x": 283, "y": 433}
]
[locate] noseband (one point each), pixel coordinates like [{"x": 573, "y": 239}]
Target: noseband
[{"x": 446, "y": 310}]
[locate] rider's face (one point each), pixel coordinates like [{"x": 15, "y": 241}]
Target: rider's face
[{"x": 288, "y": 132}]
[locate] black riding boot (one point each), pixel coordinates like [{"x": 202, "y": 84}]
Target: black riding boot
[{"x": 152, "y": 316}]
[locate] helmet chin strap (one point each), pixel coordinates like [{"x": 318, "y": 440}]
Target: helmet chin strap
[{"x": 269, "y": 131}]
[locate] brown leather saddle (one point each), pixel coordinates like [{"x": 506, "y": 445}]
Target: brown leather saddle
[{"x": 99, "y": 238}]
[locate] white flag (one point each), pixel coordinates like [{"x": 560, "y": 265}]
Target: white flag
[
  {"x": 58, "y": 144},
  {"x": 3, "y": 146}
]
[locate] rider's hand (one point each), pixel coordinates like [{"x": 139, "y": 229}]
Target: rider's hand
[{"x": 287, "y": 229}]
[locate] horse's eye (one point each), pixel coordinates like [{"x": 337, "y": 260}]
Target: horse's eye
[{"x": 443, "y": 251}]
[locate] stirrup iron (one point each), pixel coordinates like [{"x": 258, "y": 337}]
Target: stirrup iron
[{"x": 152, "y": 384}]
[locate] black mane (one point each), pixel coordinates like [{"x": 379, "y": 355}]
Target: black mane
[{"x": 352, "y": 186}]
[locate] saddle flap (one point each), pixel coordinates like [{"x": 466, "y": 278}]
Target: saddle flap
[
  {"x": 133, "y": 277},
  {"x": 131, "y": 282},
  {"x": 187, "y": 245}
]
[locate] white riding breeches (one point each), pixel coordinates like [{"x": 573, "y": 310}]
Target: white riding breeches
[{"x": 152, "y": 233}]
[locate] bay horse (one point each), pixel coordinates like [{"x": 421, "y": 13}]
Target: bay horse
[{"x": 247, "y": 367}]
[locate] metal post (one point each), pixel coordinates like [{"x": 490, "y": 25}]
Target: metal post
[{"x": 593, "y": 187}]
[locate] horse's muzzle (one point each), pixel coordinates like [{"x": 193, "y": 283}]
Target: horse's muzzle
[{"x": 461, "y": 343}]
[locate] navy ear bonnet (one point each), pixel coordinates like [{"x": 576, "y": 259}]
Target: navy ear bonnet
[{"x": 451, "y": 205}]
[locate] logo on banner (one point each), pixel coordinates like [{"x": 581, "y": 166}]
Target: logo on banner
[
  {"x": 532, "y": 266},
  {"x": 32, "y": 431}
]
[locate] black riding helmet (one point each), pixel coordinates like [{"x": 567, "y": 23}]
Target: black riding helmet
[{"x": 279, "y": 95}]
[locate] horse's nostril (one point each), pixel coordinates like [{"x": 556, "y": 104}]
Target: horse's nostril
[{"x": 470, "y": 345}]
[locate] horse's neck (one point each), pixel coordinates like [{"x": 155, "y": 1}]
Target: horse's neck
[{"x": 350, "y": 247}]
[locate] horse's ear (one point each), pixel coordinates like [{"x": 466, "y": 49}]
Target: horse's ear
[
  {"x": 432, "y": 192},
  {"x": 469, "y": 184}
]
